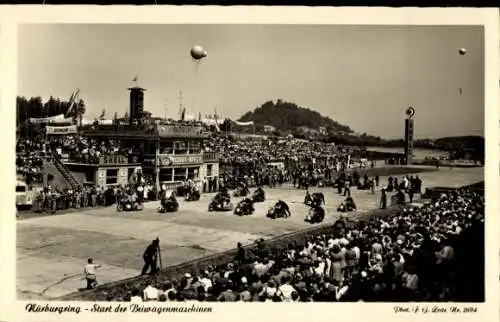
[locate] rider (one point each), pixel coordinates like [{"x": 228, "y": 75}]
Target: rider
[
  {"x": 259, "y": 194},
  {"x": 164, "y": 199},
  {"x": 222, "y": 197},
  {"x": 168, "y": 197},
  {"x": 240, "y": 187},
  {"x": 284, "y": 207},
  {"x": 315, "y": 198},
  {"x": 349, "y": 203},
  {"x": 316, "y": 209},
  {"x": 194, "y": 190},
  {"x": 133, "y": 198},
  {"x": 224, "y": 193},
  {"x": 192, "y": 187},
  {"x": 318, "y": 199},
  {"x": 247, "y": 203}
]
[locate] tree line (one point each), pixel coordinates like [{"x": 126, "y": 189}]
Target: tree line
[{"x": 35, "y": 107}]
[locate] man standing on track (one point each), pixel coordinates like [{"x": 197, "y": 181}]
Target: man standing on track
[
  {"x": 90, "y": 274},
  {"x": 383, "y": 199},
  {"x": 150, "y": 257}
]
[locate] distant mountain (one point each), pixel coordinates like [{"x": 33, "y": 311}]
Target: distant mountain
[{"x": 288, "y": 116}]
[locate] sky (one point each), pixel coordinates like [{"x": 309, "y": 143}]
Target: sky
[{"x": 361, "y": 76}]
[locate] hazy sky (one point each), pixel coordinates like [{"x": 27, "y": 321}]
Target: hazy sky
[{"x": 361, "y": 76}]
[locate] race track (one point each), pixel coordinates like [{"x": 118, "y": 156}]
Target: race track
[{"x": 51, "y": 251}]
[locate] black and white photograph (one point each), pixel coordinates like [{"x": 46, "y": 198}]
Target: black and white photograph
[{"x": 250, "y": 163}]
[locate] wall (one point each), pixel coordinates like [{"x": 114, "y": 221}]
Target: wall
[
  {"x": 79, "y": 172},
  {"x": 215, "y": 169},
  {"x": 123, "y": 176},
  {"x": 79, "y": 176},
  {"x": 204, "y": 170},
  {"x": 100, "y": 177},
  {"x": 59, "y": 181}
]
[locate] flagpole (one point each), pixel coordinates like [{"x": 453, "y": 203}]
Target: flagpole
[
  {"x": 165, "y": 106},
  {"x": 180, "y": 104}
]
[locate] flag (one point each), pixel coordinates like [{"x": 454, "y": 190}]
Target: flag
[
  {"x": 183, "y": 114},
  {"x": 135, "y": 79},
  {"x": 103, "y": 114},
  {"x": 71, "y": 105}
]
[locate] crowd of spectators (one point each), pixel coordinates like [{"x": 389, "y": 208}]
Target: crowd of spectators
[
  {"x": 273, "y": 162},
  {"x": 233, "y": 151},
  {"x": 75, "y": 148},
  {"x": 29, "y": 160},
  {"x": 53, "y": 199},
  {"x": 56, "y": 199},
  {"x": 431, "y": 252}
]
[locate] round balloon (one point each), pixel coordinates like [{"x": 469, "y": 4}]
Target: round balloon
[
  {"x": 462, "y": 51},
  {"x": 197, "y": 52}
]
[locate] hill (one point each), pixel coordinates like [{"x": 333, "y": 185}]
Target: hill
[{"x": 287, "y": 116}]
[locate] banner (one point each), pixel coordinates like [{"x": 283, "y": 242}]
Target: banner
[
  {"x": 168, "y": 160},
  {"x": 57, "y": 130},
  {"x": 269, "y": 128},
  {"x": 62, "y": 121},
  {"x": 105, "y": 122},
  {"x": 243, "y": 123},
  {"x": 211, "y": 122},
  {"x": 86, "y": 122},
  {"x": 179, "y": 130},
  {"x": 51, "y": 119},
  {"x": 190, "y": 117}
]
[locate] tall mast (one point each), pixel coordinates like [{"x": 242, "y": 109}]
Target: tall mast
[{"x": 180, "y": 104}]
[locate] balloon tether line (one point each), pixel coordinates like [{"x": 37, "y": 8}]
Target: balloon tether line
[{"x": 197, "y": 63}]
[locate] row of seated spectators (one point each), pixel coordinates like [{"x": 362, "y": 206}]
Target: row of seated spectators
[
  {"x": 29, "y": 159},
  {"x": 91, "y": 151},
  {"x": 434, "y": 252},
  {"x": 72, "y": 148}
]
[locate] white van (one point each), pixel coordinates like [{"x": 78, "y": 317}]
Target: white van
[{"x": 24, "y": 195}]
